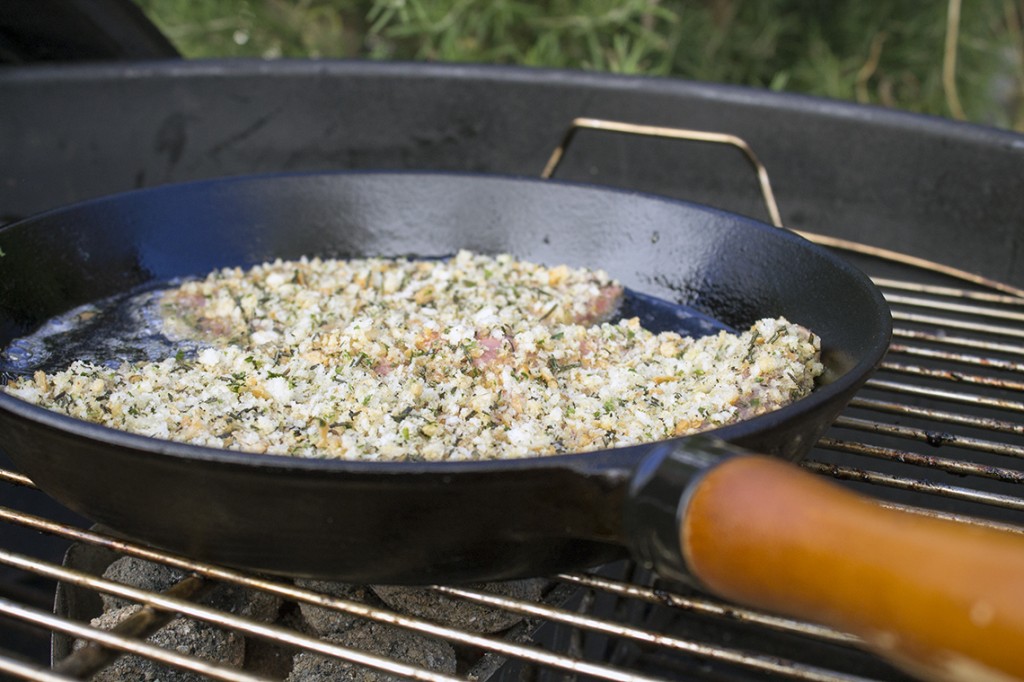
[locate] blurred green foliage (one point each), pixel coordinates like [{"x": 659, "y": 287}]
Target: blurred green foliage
[{"x": 886, "y": 52}]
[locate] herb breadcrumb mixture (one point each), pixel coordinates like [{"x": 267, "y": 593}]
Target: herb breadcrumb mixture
[{"x": 473, "y": 357}]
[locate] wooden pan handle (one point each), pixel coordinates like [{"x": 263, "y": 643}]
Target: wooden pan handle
[{"x": 944, "y": 600}]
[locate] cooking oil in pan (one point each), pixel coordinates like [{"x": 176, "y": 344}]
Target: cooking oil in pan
[
  {"x": 659, "y": 315},
  {"x": 123, "y": 328}
]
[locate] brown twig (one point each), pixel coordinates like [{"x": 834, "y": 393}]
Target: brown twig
[
  {"x": 949, "y": 61},
  {"x": 93, "y": 657},
  {"x": 867, "y": 70},
  {"x": 1015, "y": 27}
]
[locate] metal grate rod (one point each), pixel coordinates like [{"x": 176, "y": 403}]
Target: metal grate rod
[
  {"x": 951, "y": 292},
  {"x": 961, "y": 341},
  {"x": 952, "y": 376},
  {"x": 931, "y": 437},
  {"x": 709, "y": 608},
  {"x": 940, "y": 416},
  {"x": 953, "y": 323},
  {"x": 959, "y": 358},
  {"x": 15, "y": 478},
  {"x": 947, "y": 306},
  {"x": 951, "y": 396},
  {"x": 27, "y": 671},
  {"x": 848, "y": 473},
  {"x": 950, "y": 466},
  {"x": 952, "y": 516}
]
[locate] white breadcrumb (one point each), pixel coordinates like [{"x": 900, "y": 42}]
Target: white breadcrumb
[{"x": 473, "y": 357}]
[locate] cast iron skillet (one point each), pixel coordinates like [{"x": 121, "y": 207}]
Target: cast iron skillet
[
  {"x": 423, "y": 522},
  {"x": 354, "y": 520}
]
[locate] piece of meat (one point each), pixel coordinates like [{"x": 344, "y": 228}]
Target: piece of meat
[
  {"x": 602, "y": 308},
  {"x": 491, "y": 350}
]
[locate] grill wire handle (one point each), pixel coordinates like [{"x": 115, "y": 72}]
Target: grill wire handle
[
  {"x": 767, "y": 195},
  {"x": 674, "y": 134}
]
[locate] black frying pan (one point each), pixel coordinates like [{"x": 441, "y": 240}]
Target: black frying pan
[{"x": 426, "y": 522}]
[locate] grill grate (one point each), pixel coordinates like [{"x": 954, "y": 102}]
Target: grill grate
[{"x": 932, "y": 432}]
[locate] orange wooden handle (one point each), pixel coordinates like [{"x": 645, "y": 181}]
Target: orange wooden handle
[{"x": 944, "y": 600}]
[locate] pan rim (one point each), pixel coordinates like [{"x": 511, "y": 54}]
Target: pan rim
[{"x": 624, "y": 455}]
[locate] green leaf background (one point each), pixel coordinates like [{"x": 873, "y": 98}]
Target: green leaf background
[{"x": 884, "y": 52}]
